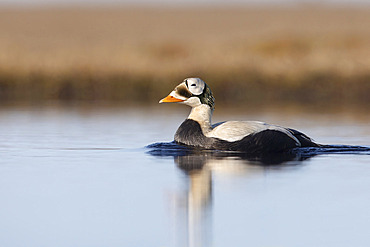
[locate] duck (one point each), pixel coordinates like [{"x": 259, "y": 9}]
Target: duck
[{"x": 197, "y": 130}]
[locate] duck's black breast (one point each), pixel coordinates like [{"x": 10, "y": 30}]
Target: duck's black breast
[{"x": 190, "y": 133}]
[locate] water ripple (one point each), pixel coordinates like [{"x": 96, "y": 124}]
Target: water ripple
[{"x": 171, "y": 149}]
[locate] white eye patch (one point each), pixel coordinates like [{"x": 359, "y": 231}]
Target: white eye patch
[{"x": 195, "y": 85}]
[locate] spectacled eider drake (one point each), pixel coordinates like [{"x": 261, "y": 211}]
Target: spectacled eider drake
[{"x": 247, "y": 136}]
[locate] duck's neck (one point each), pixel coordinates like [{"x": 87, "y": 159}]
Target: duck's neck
[{"x": 202, "y": 114}]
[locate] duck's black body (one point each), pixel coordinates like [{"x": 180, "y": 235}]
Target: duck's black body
[{"x": 190, "y": 133}]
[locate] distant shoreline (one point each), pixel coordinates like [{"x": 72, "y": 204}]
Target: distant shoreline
[
  {"x": 316, "y": 90},
  {"x": 299, "y": 55}
]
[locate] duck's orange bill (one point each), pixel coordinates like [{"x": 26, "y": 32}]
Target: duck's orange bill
[{"x": 170, "y": 98}]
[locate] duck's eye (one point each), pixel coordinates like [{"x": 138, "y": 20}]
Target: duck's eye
[{"x": 193, "y": 85}]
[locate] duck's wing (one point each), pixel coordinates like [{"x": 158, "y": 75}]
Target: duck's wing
[
  {"x": 303, "y": 138},
  {"x": 233, "y": 131}
]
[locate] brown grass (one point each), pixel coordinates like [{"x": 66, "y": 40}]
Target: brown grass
[{"x": 298, "y": 54}]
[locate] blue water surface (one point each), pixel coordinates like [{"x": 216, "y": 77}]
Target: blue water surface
[{"x": 110, "y": 176}]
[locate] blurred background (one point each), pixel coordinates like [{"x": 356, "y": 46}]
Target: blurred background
[{"x": 256, "y": 53}]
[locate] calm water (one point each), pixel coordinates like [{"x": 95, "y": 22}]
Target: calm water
[{"x": 78, "y": 176}]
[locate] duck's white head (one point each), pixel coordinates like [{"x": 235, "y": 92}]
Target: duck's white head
[{"x": 192, "y": 92}]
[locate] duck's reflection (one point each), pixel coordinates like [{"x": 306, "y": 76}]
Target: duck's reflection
[
  {"x": 198, "y": 205},
  {"x": 194, "y": 214},
  {"x": 192, "y": 218},
  {"x": 193, "y": 208}
]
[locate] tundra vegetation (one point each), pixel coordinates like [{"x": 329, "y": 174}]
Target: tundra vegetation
[{"x": 301, "y": 55}]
